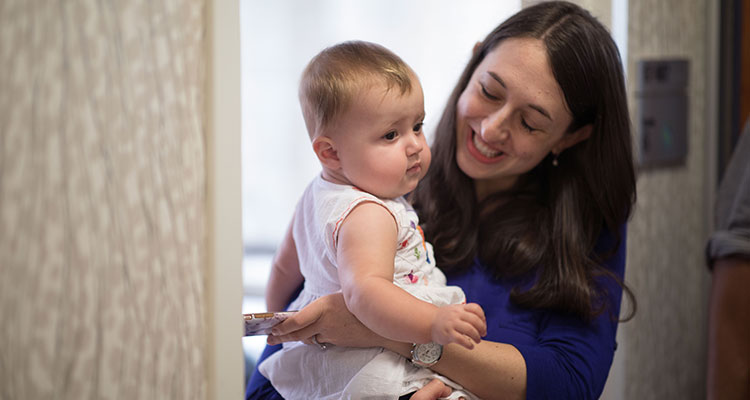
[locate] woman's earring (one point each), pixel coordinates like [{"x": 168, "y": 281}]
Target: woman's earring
[{"x": 554, "y": 161}]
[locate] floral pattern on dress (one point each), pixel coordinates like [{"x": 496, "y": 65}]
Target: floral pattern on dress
[{"x": 414, "y": 250}]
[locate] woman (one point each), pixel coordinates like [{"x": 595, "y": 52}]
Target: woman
[{"x": 525, "y": 203}]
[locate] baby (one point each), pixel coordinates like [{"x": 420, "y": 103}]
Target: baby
[{"x": 354, "y": 232}]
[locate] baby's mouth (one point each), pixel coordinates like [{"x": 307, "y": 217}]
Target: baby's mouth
[{"x": 483, "y": 148}]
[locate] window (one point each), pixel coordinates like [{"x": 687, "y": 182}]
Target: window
[{"x": 278, "y": 38}]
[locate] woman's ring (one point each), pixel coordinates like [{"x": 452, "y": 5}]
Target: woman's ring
[{"x": 322, "y": 346}]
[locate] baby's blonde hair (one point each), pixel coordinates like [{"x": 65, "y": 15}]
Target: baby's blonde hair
[{"x": 337, "y": 74}]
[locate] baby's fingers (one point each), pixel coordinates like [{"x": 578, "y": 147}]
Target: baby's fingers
[
  {"x": 480, "y": 324},
  {"x": 463, "y": 340},
  {"x": 463, "y": 334},
  {"x": 475, "y": 309},
  {"x": 469, "y": 331}
]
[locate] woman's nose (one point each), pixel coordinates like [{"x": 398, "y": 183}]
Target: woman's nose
[{"x": 494, "y": 127}]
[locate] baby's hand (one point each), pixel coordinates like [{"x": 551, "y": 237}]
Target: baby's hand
[{"x": 459, "y": 323}]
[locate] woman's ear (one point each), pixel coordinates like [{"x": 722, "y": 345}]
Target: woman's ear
[
  {"x": 325, "y": 149},
  {"x": 570, "y": 139}
]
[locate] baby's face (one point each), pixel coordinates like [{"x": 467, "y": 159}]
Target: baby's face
[{"x": 380, "y": 143}]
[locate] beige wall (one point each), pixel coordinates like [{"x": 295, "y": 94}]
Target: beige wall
[
  {"x": 102, "y": 200},
  {"x": 665, "y": 343}
]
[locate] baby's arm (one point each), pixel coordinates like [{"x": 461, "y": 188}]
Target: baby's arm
[
  {"x": 366, "y": 251},
  {"x": 285, "y": 276}
]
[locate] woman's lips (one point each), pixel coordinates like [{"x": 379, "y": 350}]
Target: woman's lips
[{"x": 481, "y": 151}]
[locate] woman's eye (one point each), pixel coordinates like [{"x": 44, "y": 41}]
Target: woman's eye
[
  {"x": 488, "y": 95},
  {"x": 526, "y": 126},
  {"x": 418, "y": 127},
  {"x": 390, "y": 135}
]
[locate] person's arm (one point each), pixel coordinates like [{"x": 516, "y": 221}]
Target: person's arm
[
  {"x": 285, "y": 277},
  {"x": 570, "y": 363},
  {"x": 729, "y": 330},
  {"x": 570, "y": 359},
  {"x": 728, "y": 255},
  {"x": 365, "y": 253},
  {"x": 490, "y": 370}
]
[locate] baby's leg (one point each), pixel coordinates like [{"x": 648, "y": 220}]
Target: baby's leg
[{"x": 432, "y": 391}]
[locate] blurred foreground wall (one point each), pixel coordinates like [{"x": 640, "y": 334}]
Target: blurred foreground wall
[{"x": 102, "y": 200}]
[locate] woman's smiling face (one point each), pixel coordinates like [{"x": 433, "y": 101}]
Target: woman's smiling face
[{"x": 511, "y": 115}]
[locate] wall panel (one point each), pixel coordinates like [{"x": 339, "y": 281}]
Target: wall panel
[{"x": 102, "y": 200}]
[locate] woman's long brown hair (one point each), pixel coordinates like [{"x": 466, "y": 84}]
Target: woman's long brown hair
[{"x": 546, "y": 227}]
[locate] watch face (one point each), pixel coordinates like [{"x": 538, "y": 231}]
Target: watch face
[{"x": 428, "y": 353}]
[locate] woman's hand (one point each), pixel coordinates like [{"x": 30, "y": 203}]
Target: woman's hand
[
  {"x": 329, "y": 319},
  {"x": 434, "y": 390}
]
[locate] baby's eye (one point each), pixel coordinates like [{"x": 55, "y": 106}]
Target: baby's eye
[
  {"x": 418, "y": 127},
  {"x": 390, "y": 135}
]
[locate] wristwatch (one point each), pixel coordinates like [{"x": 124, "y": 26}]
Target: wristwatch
[{"x": 426, "y": 354}]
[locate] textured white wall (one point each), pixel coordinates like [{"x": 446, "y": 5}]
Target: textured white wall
[{"x": 102, "y": 200}]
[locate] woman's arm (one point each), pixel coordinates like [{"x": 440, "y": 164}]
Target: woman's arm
[
  {"x": 558, "y": 356},
  {"x": 490, "y": 370},
  {"x": 569, "y": 361},
  {"x": 565, "y": 358},
  {"x": 285, "y": 275},
  {"x": 329, "y": 319},
  {"x": 366, "y": 249}
]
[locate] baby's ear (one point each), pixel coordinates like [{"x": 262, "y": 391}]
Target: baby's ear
[{"x": 325, "y": 149}]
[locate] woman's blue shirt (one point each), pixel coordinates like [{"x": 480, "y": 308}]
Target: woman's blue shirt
[{"x": 566, "y": 357}]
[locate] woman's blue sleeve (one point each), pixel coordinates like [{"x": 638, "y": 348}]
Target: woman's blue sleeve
[
  {"x": 571, "y": 358},
  {"x": 258, "y": 387}
]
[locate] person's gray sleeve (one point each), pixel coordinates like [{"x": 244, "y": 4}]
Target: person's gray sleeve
[{"x": 732, "y": 234}]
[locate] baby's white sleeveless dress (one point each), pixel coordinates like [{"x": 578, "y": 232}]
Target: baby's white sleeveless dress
[{"x": 301, "y": 371}]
